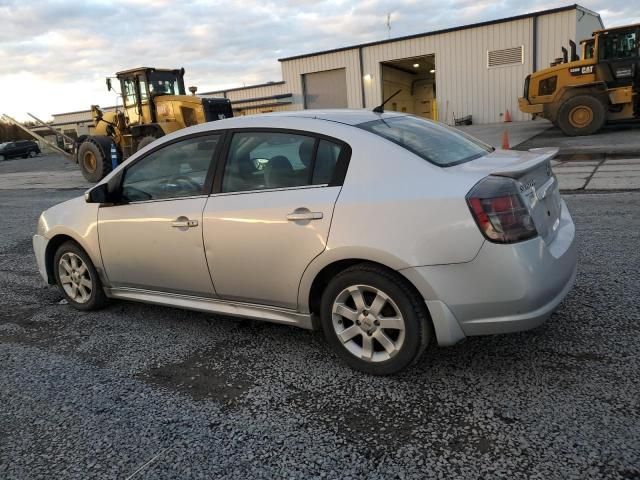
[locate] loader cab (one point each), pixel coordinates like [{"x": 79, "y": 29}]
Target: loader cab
[
  {"x": 140, "y": 86},
  {"x": 619, "y": 56}
]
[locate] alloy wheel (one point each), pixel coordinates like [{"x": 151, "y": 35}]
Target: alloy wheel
[
  {"x": 368, "y": 323},
  {"x": 75, "y": 277}
]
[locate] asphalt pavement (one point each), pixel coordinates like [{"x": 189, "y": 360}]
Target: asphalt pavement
[{"x": 148, "y": 392}]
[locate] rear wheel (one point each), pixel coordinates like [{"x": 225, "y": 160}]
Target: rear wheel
[
  {"x": 93, "y": 163},
  {"x": 581, "y": 115},
  {"x": 373, "y": 320},
  {"x": 32, "y": 153},
  {"x": 77, "y": 278}
]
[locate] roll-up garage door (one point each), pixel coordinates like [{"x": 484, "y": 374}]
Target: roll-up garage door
[{"x": 326, "y": 89}]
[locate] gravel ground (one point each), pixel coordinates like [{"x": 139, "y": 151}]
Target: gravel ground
[{"x": 98, "y": 395}]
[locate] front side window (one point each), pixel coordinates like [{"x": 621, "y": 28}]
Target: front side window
[
  {"x": 435, "y": 142},
  {"x": 589, "y": 50},
  {"x": 129, "y": 92},
  {"x": 143, "y": 88},
  {"x": 177, "y": 170},
  {"x": 268, "y": 160},
  {"x": 620, "y": 45}
]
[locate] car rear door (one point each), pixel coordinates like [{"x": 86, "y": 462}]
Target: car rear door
[
  {"x": 271, "y": 211},
  {"x": 153, "y": 239}
]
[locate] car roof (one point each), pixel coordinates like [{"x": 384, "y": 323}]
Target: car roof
[{"x": 346, "y": 116}]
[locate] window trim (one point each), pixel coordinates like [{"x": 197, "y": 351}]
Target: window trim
[
  {"x": 339, "y": 172},
  {"x": 213, "y": 160}
]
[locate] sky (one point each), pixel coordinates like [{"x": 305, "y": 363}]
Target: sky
[{"x": 55, "y": 55}]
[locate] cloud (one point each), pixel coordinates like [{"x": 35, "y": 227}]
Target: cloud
[{"x": 54, "y": 55}]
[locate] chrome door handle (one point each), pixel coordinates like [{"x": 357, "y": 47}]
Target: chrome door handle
[
  {"x": 296, "y": 216},
  {"x": 184, "y": 223}
]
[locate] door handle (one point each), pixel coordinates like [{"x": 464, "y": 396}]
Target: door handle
[
  {"x": 304, "y": 215},
  {"x": 186, "y": 223}
]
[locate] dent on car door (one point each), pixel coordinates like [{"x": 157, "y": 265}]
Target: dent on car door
[
  {"x": 152, "y": 240},
  {"x": 271, "y": 215}
]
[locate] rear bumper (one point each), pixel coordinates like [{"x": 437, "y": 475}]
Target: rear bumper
[
  {"x": 506, "y": 288},
  {"x": 527, "y": 107}
]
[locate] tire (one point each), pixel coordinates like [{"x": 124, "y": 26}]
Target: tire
[
  {"x": 2, "y": 158},
  {"x": 31, "y": 153},
  {"x": 92, "y": 160},
  {"x": 144, "y": 141},
  {"x": 81, "y": 287},
  {"x": 365, "y": 326},
  {"x": 581, "y": 115}
]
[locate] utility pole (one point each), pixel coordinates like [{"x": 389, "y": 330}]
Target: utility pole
[{"x": 388, "y": 24}]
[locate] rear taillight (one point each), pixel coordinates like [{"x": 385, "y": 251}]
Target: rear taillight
[{"x": 498, "y": 209}]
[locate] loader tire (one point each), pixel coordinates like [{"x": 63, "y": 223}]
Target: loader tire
[
  {"x": 581, "y": 115},
  {"x": 144, "y": 141},
  {"x": 93, "y": 162}
]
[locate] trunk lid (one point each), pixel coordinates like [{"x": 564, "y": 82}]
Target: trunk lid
[{"x": 534, "y": 178}]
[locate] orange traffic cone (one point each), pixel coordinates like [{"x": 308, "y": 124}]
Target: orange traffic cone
[
  {"x": 507, "y": 117},
  {"x": 505, "y": 140}
]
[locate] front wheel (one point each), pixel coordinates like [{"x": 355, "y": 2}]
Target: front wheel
[
  {"x": 374, "y": 320},
  {"x": 93, "y": 163},
  {"x": 77, "y": 278},
  {"x": 581, "y": 115}
]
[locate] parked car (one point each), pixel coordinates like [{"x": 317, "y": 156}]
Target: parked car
[
  {"x": 386, "y": 231},
  {"x": 19, "y": 148}
]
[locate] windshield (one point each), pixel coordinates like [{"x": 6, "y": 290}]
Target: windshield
[
  {"x": 2, "y": 145},
  {"x": 164, "y": 83},
  {"x": 435, "y": 142}
]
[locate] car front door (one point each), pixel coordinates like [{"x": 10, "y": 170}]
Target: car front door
[
  {"x": 270, "y": 213},
  {"x": 152, "y": 240},
  {"x": 10, "y": 150}
]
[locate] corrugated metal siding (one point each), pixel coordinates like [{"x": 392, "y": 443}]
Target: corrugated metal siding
[
  {"x": 554, "y": 32},
  {"x": 252, "y": 92},
  {"x": 84, "y": 116},
  {"x": 293, "y": 70},
  {"x": 464, "y": 83}
]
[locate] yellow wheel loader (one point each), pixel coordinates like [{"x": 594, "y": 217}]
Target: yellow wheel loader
[
  {"x": 154, "y": 104},
  {"x": 579, "y": 95}
]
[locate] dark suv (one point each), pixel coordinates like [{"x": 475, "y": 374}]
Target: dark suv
[{"x": 19, "y": 148}]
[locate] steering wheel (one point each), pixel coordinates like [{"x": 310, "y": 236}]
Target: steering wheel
[{"x": 184, "y": 180}]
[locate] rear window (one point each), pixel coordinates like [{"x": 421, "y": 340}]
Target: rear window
[{"x": 436, "y": 143}]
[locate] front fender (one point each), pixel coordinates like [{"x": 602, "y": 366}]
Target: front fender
[{"x": 78, "y": 221}]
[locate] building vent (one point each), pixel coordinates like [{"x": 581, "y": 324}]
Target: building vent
[{"x": 508, "y": 56}]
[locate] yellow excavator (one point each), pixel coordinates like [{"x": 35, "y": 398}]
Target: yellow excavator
[
  {"x": 580, "y": 94},
  {"x": 154, "y": 104}
]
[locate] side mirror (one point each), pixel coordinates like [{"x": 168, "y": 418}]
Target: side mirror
[
  {"x": 105, "y": 192},
  {"x": 97, "y": 194},
  {"x": 108, "y": 84}
]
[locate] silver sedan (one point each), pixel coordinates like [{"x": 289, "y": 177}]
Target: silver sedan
[{"x": 385, "y": 231}]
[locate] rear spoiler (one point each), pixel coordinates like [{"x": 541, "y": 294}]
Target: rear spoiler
[{"x": 543, "y": 154}]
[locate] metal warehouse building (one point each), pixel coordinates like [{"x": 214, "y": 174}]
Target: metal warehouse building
[{"x": 476, "y": 70}]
